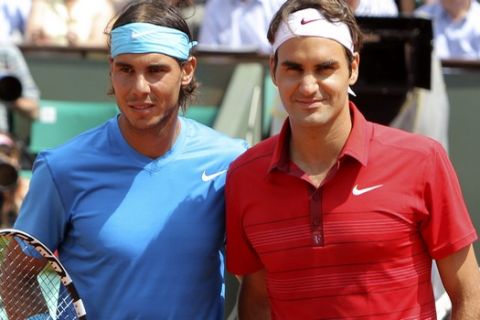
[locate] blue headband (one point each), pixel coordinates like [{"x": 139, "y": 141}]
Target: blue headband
[{"x": 150, "y": 38}]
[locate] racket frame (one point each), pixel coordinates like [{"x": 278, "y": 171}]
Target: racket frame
[{"x": 55, "y": 265}]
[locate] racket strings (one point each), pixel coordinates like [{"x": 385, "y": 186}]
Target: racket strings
[
  {"x": 65, "y": 305},
  {"x": 27, "y": 290}
]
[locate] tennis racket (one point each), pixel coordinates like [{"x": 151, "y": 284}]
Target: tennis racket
[{"x": 33, "y": 283}]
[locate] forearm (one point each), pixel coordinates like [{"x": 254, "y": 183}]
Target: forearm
[
  {"x": 461, "y": 279},
  {"x": 466, "y": 309},
  {"x": 253, "y": 301},
  {"x": 27, "y": 107},
  {"x": 250, "y": 309}
]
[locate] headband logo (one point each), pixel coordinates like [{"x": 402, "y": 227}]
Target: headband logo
[
  {"x": 136, "y": 34},
  {"x": 312, "y": 23},
  {"x": 304, "y": 21}
]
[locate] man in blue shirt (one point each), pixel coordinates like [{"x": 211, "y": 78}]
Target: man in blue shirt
[
  {"x": 135, "y": 206},
  {"x": 237, "y": 25},
  {"x": 12, "y": 63},
  {"x": 456, "y": 27}
]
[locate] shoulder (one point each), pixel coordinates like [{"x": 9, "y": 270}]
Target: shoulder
[
  {"x": 85, "y": 143},
  {"x": 397, "y": 140},
  {"x": 258, "y": 156},
  {"x": 203, "y": 137}
]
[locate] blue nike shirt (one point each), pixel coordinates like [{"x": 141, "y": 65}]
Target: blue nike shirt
[{"x": 141, "y": 238}]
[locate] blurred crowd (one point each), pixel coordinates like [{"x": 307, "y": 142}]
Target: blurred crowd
[{"x": 235, "y": 24}]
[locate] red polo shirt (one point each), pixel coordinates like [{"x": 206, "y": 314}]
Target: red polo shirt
[{"x": 360, "y": 246}]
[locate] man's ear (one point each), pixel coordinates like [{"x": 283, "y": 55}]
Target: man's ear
[
  {"x": 355, "y": 68},
  {"x": 273, "y": 65},
  {"x": 188, "y": 70}
]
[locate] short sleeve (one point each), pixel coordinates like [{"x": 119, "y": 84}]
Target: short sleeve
[
  {"x": 42, "y": 213},
  {"x": 448, "y": 227}
]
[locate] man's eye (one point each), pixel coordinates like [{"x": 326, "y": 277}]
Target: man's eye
[
  {"x": 327, "y": 67},
  {"x": 157, "y": 69},
  {"x": 126, "y": 69},
  {"x": 293, "y": 68}
]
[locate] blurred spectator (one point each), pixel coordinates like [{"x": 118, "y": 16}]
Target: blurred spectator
[
  {"x": 13, "y": 187},
  {"x": 118, "y": 5},
  {"x": 407, "y": 7},
  {"x": 373, "y": 8},
  {"x": 13, "y": 19},
  {"x": 192, "y": 11},
  {"x": 13, "y": 64},
  {"x": 237, "y": 24},
  {"x": 456, "y": 26},
  {"x": 69, "y": 22}
]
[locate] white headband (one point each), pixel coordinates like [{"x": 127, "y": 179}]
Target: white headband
[{"x": 310, "y": 22}]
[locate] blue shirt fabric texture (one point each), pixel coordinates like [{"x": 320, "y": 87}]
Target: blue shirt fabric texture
[
  {"x": 141, "y": 238},
  {"x": 454, "y": 39}
]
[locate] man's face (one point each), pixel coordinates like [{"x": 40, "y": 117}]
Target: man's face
[
  {"x": 147, "y": 87},
  {"x": 312, "y": 76},
  {"x": 455, "y": 6}
]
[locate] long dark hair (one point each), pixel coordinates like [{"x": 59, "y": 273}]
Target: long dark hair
[{"x": 163, "y": 14}]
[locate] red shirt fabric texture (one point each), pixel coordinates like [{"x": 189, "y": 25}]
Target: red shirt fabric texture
[{"x": 361, "y": 245}]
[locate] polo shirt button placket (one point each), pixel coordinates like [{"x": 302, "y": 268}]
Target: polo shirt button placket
[
  {"x": 316, "y": 219},
  {"x": 317, "y": 238}
]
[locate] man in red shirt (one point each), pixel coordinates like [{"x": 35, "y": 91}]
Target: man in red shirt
[{"x": 338, "y": 217}]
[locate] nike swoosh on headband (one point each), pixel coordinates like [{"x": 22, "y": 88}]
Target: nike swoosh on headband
[
  {"x": 300, "y": 24},
  {"x": 304, "y": 21}
]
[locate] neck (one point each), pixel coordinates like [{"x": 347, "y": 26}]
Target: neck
[
  {"x": 152, "y": 142},
  {"x": 315, "y": 150}
]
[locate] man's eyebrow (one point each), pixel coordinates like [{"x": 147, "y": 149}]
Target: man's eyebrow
[
  {"x": 122, "y": 64},
  {"x": 153, "y": 64},
  {"x": 323, "y": 64},
  {"x": 291, "y": 64},
  {"x": 328, "y": 63}
]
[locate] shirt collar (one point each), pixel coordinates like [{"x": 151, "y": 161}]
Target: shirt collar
[{"x": 355, "y": 147}]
